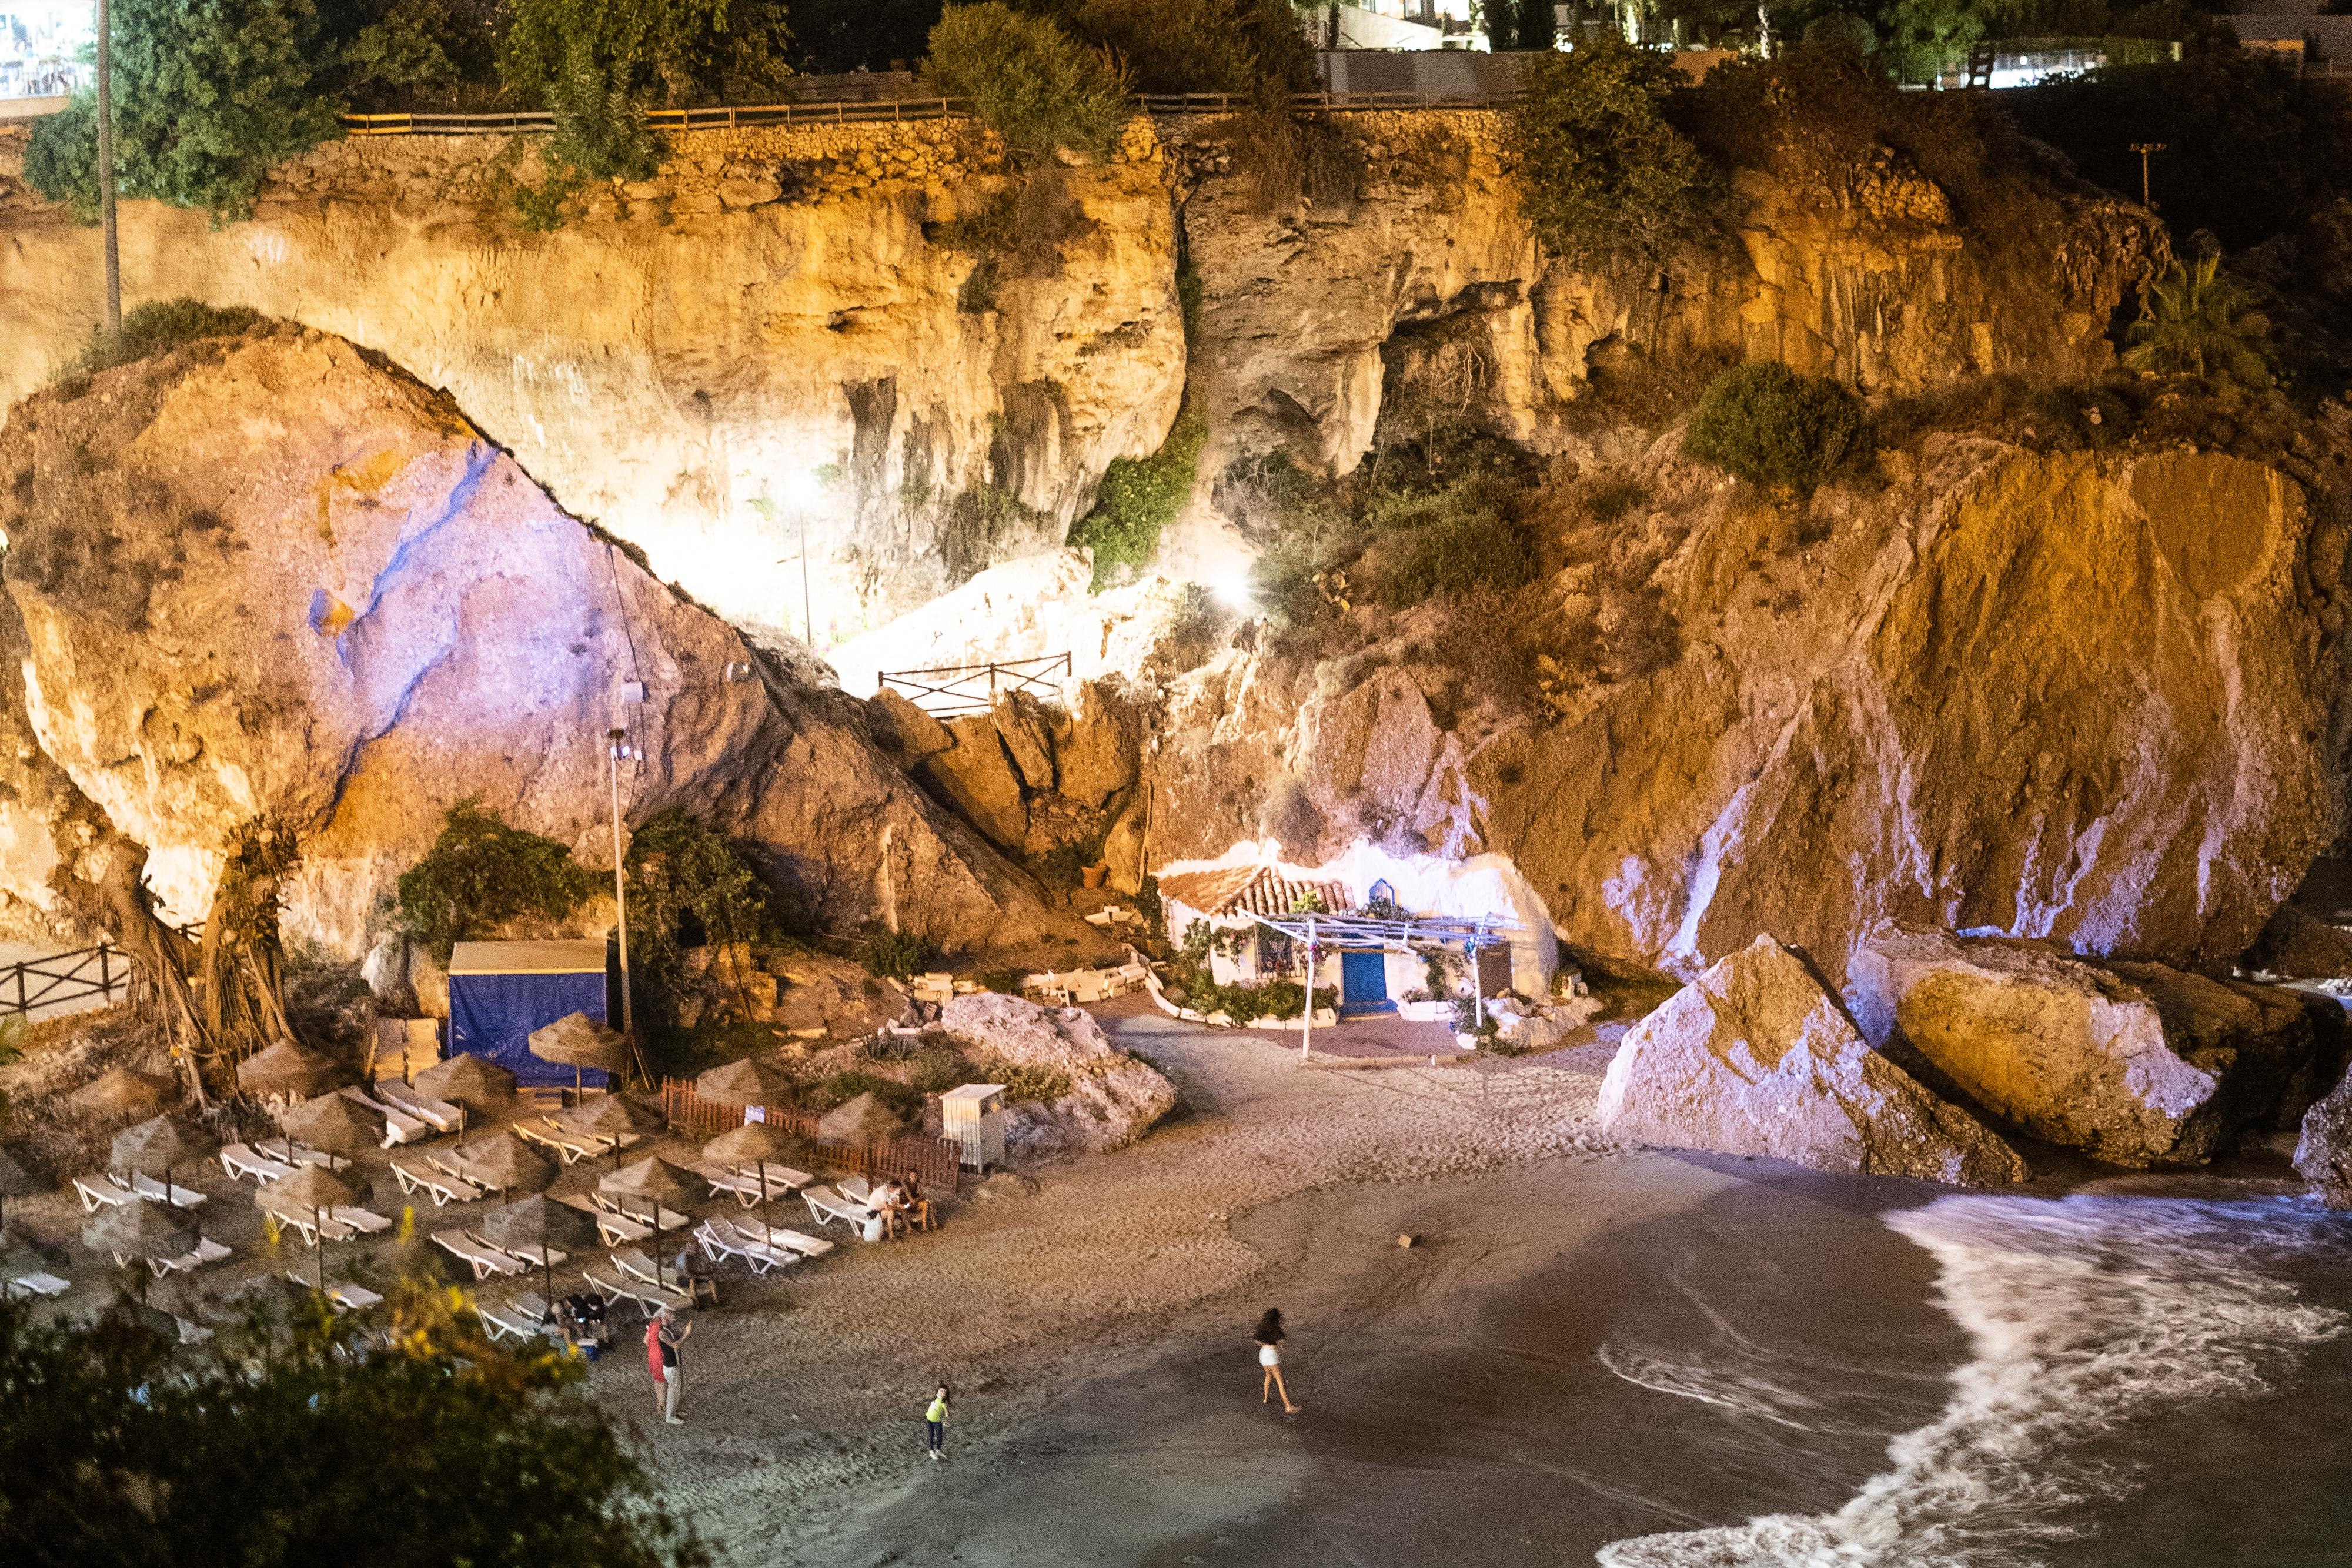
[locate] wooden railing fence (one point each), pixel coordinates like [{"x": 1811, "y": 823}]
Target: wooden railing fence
[
  {"x": 936, "y": 1162},
  {"x": 945, "y": 690}
]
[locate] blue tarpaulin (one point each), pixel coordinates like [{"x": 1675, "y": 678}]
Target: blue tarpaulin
[{"x": 500, "y": 991}]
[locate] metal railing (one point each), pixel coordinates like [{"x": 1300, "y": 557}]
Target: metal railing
[
  {"x": 936, "y": 1162},
  {"x": 944, "y": 691},
  {"x": 726, "y": 117},
  {"x": 57, "y": 978}
]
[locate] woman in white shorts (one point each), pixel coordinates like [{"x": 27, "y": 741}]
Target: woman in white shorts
[{"x": 1269, "y": 1337}]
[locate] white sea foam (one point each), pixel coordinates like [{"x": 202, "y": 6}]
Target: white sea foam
[{"x": 2082, "y": 1313}]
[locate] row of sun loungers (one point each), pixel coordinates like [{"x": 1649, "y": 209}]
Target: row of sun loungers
[
  {"x": 762, "y": 1248},
  {"x": 744, "y": 1186},
  {"x": 521, "y": 1318},
  {"x": 427, "y": 1177},
  {"x": 337, "y": 1223}
]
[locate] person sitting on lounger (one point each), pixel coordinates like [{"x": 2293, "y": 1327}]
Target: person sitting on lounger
[
  {"x": 889, "y": 1207},
  {"x": 917, "y": 1208}
]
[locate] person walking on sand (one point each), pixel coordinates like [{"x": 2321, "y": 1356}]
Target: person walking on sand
[
  {"x": 936, "y": 1420},
  {"x": 1269, "y": 1337},
  {"x": 664, "y": 1337}
]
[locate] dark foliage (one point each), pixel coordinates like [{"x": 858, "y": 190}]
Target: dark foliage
[
  {"x": 1772, "y": 426},
  {"x": 481, "y": 874}
]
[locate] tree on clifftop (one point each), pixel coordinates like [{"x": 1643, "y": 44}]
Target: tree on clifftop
[
  {"x": 1606, "y": 183},
  {"x": 1029, "y": 81}
]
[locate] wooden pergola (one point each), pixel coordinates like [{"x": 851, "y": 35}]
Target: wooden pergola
[{"x": 1399, "y": 933}]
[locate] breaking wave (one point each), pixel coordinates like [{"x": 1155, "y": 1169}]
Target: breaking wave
[{"x": 2082, "y": 1313}]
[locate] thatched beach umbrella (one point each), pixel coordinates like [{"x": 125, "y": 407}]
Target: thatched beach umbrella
[
  {"x": 140, "y": 1230},
  {"x": 319, "y": 1190},
  {"x": 576, "y": 1040},
  {"x": 539, "y": 1224},
  {"x": 755, "y": 1144},
  {"x": 158, "y": 1145},
  {"x": 749, "y": 1082},
  {"x": 653, "y": 1179},
  {"x": 472, "y": 1084},
  {"x": 335, "y": 1122},
  {"x": 863, "y": 1120},
  {"x": 291, "y": 1069},
  {"x": 121, "y": 1091},
  {"x": 15, "y": 1181},
  {"x": 503, "y": 1165},
  {"x": 614, "y": 1117}
]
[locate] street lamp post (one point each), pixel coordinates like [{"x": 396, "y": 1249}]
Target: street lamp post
[
  {"x": 620, "y": 881},
  {"x": 106, "y": 170},
  {"x": 2144, "y": 149}
]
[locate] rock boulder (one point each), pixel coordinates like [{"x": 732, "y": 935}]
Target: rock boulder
[
  {"x": 1106, "y": 1097},
  {"x": 276, "y": 576},
  {"x": 2137, "y": 1064},
  {"x": 1755, "y": 1057},
  {"x": 976, "y": 777},
  {"x": 2322, "y": 1155}
]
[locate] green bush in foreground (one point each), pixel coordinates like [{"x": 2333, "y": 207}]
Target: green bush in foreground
[
  {"x": 1772, "y": 426},
  {"x": 1029, "y": 81},
  {"x": 1137, "y": 499}
]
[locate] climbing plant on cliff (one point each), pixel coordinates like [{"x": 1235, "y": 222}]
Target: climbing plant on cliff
[
  {"x": 481, "y": 874},
  {"x": 1137, "y": 499},
  {"x": 688, "y": 887},
  {"x": 1604, "y": 181}
]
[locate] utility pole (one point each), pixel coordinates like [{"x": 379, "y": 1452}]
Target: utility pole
[
  {"x": 106, "y": 170},
  {"x": 621, "y": 883},
  {"x": 2144, "y": 149}
]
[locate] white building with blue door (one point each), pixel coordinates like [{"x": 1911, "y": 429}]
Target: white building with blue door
[{"x": 1227, "y": 895}]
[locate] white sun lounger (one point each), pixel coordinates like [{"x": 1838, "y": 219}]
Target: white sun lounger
[
  {"x": 649, "y": 1297},
  {"x": 207, "y": 1251},
  {"x": 826, "y": 1203},
  {"x": 782, "y": 1182},
  {"x": 485, "y": 1259},
  {"x": 572, "y": 1147},
  {"x": 141, "y": 1184},
  {"x": 530, "y": 1256},
  {"x": 857, "y": 1189},
  {"x": 37, "y": 1284},
  {"x": 797, "y": 1242},
  {"x": 399, "y": 1127},
  {"x": 444, "y": 1188},
  {"x": 405, "y": 1099},
  {"x": 720, "y": 1240},
  {"x": 242, "y": 1160},
  {"x": 103, "y": 1195},
  {"x": 525, "y": 1317},
  {"x": 660, "y": 1219},
  {"x": 612, "y": 1229}
]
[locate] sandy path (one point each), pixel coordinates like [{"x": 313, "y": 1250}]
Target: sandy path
[{"x": 800, "y": 1393}]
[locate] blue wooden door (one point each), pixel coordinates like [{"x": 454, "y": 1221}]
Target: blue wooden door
[{"x": 1364, "y": 982}]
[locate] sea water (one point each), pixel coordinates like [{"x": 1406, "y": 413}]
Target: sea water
[{"x": 2088, "y": 1318}]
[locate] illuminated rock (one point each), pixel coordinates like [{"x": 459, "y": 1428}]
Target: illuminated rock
[
  {"x": 2137, "y": 1064},
  {"x": 2322, "y": 1155},
  {"x": 1755, "y": 1057},
  {"x": 275, "y": 576},
  {"x": 1099, "y": 1096}
]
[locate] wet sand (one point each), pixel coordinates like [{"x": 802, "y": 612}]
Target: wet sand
[{"x": 1458, "y": 1409}]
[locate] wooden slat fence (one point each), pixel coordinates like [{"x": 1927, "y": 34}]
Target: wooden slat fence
[{"x": 936, "y": 1162}]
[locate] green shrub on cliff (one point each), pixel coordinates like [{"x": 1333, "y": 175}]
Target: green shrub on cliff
[
  {"x": 1138, "y": 498},
  {"x": 1029, "y": 81},
  {"x": 158, "y": 325},
  {"x": 481, "y": 874},
  {"x": 1772, "y": 426},
  {"x": 1604, "y": 181}
]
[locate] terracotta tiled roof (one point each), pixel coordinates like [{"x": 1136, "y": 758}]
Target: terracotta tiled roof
[{"x": 1247, "y": 889}]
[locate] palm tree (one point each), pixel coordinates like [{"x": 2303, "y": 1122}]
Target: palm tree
[{"x": 2194, "y": 320}]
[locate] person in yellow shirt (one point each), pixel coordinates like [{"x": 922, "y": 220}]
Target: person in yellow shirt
[{"x": 936, "y": 1418}]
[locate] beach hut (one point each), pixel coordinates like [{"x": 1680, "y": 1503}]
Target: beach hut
[{"x": 501, "y": 992}]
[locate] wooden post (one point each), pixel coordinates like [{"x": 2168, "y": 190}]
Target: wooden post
[
  {"x": 1306, "y": 1013},
  {"x": 106, "y": 187}
]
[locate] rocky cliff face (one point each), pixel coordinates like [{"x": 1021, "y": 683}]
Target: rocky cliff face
[
  {"x": 769, "y": 345},
  {"x": 2092, "y": 697},
  {"x": 276, "y": 576},
  {"x": 1429, "y": 282},
  {"x": 774, "y": 353}
]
